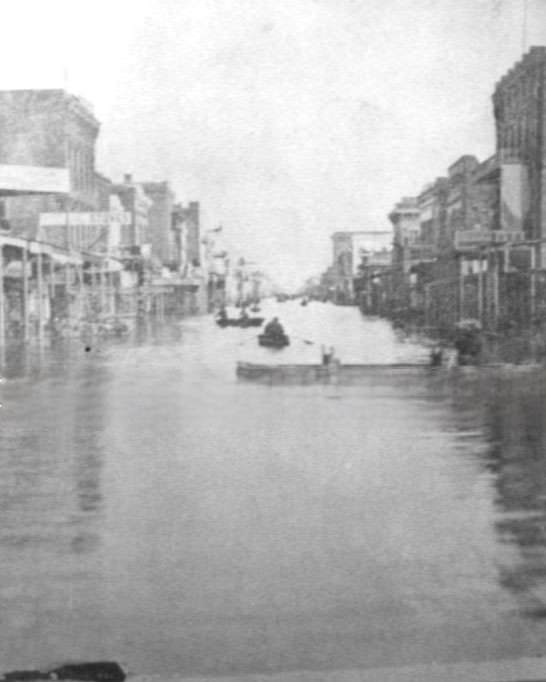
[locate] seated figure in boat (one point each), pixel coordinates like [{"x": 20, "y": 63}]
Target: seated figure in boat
[
  {"x": 274, "y": 329},
  {"x": 244, "y": 315},
  {"x": 328, "y": 355},
  {"x": 222, "y": 313},
  {"x": 436, "y": 356}
]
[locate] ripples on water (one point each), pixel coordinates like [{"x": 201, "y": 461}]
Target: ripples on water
[{"x": 156, "y": 510}]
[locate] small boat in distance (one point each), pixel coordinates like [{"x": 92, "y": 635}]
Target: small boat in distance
[
  {"x": 277, "y": 341},
  {"x": 239, "y": 321}
]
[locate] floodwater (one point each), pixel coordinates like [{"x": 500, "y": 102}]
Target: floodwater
[{"x": 158, "y": 511}]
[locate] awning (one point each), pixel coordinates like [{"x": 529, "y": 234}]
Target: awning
[
  {"x": 66, "y": 258},
  {"x": 18, "y": 242}
]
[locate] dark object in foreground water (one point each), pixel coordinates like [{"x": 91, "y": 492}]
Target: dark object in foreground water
[
  {"x": 436, "y": 357},
  {"x": 101, "y": 671},
  {"x": 16, "y": 675}
]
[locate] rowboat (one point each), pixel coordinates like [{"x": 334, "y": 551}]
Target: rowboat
[
  {"x": 317, "y": 372},
  {"x": 252, "y": 322},
  {"x": 240, "y": 322},
  {"x": 252, "y": 370},
  {"x": 273, "y": 341}
]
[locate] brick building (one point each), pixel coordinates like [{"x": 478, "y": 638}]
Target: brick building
[{"x": 48, "y": 128}]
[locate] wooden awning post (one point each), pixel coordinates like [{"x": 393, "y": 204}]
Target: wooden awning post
[
  {"x": 2, "y": 296},
  {"x": 25, "y": 293},
  {"x": 480, "y": 289},
  {"x": 532, "y": 284},
  {"x": 461, "y": 288},
  {"x": 39, "y": 275}
]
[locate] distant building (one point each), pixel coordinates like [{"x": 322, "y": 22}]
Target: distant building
[
  {"x": 349, "y": 249},
  {"x": 161, "y": 236},
  {"x": 460, "y": 202},
  {"x": 135, "y": 237},
  {"x": 186, "y": 223},
  {"x": 103, "y": 191},
  {"x": 193, "y": 232},
  {"x": 432, "y": 203},
  {"x": 406, "y": 225},
  {"x": 48, "y": 128}
]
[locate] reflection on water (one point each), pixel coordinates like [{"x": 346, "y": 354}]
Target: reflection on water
[
  {"x": 157, "y": 511},
  {"x": 517, "y": 431}
]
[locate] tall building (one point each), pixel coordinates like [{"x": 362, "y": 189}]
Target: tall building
[
  {"x": 48, "y": 128},
  {"x": 161, "y": 235},
  {"x": 520, "y": 118}
]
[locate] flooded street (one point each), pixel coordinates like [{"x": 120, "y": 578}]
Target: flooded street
[{"x": 158, "y": 511}]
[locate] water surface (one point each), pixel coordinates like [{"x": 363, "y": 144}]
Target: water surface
[{"x": 154, "y": 509}]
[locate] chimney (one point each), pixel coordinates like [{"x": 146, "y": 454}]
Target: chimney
[
  {"x": 127, "y": 178},
  {"x": 193, "y": 208}
]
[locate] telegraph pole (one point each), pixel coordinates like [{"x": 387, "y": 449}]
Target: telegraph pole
[{"x": 524, "y": 27}]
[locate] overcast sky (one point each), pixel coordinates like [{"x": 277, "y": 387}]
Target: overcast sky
[{"x": 286, "y": 119}]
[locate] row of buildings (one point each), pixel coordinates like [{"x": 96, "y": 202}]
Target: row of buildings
[
  {"x": 77, "y": 247},
  {"x": 472, "y": 243}
]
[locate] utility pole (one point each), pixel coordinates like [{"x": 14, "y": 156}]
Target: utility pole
[
  {"x": 461, "y": 289},
  {"x": 524, "y": 26}
]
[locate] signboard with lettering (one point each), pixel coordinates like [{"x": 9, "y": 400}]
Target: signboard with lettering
[
  {"x": 92, "y": 219},
  {"x": 33, "y": 180},
  {"x": 473, "y": 239}
]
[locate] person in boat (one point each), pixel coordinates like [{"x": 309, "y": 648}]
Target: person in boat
[
  {"x": 244, "y": 315},
  {"x": 436, "y": 356},
  {"x": 325, "y": 356},
  {"x": 274, "y": 329},
  {"x": 328, "y": 355},
  {"x": 222, "y": 313}
]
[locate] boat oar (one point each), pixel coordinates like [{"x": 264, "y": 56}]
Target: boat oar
[{"x": 307, "y": 341}]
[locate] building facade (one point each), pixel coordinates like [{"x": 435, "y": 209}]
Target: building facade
[{"x": 48, "y": 128}]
